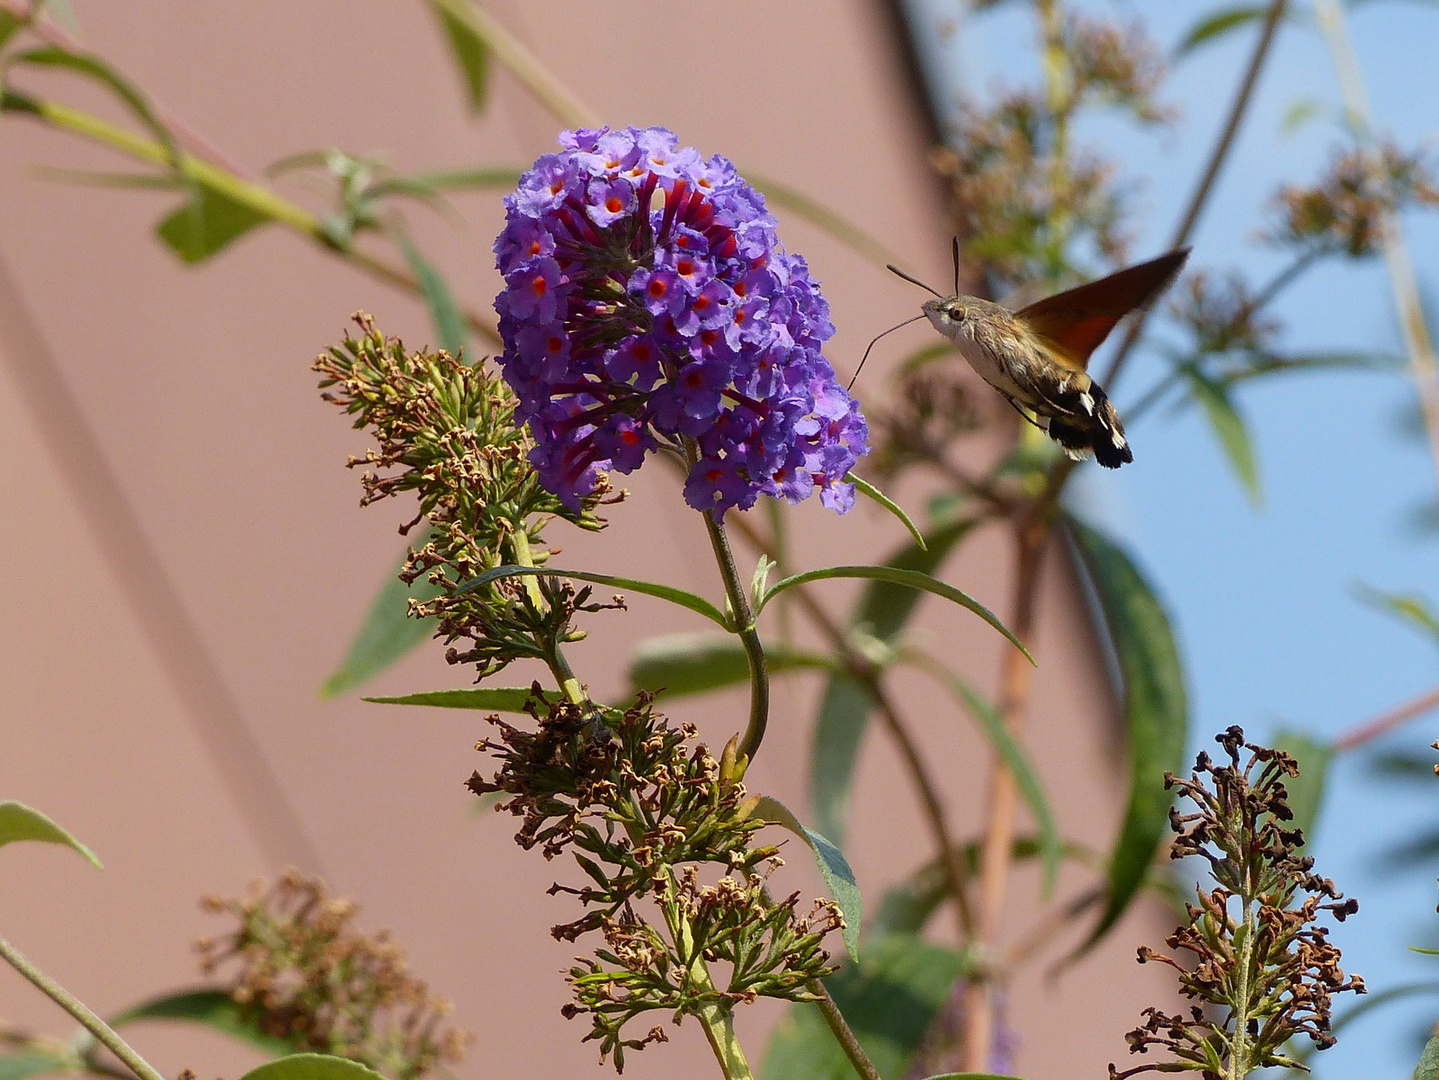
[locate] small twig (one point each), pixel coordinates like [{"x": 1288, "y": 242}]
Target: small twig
[
  {"x": 1051, "y": 924},
  {"x": 1242, "y": 98},
  {"x": 76, "y": 1008},
  {"x": 1423, "y": 364},
  {"x": 842, "y": 1032},
  {"x": 1386, "y": 722}
]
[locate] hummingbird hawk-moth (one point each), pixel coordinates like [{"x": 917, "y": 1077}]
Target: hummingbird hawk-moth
[{"x": 1037, "y": 356}]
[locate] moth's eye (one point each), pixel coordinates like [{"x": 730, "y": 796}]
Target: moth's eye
[{"x": 956, "y": 314}]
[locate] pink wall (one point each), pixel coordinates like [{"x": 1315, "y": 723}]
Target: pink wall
[{"x": 196, "y": 385}]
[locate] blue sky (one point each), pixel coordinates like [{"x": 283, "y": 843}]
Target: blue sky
[{"x": 1263, "y": 599}]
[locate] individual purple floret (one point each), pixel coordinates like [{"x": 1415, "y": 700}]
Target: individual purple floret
[{"x": 647, "y": 302}]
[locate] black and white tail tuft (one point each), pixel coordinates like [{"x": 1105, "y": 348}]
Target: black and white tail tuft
[{"x": 1097, "y": 432}]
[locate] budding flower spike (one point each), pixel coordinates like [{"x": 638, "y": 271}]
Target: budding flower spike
[
  {"x": 1037, "y": 356},
  {"x": 649, "y": 306}
]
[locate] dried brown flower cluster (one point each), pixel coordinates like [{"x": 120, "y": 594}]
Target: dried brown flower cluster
[
  {"x": 1114, "y": 65},
  {"x": 446, "y": 432},
  {"x": 936, "y": 406},
  {"x": 646, "y": 812},
  {"x": 1266, "y": 971},
  {"x": 302, "y": 975},
  {"x": 1345, "y": 211},
  {"x": 1223, "y": 315}
]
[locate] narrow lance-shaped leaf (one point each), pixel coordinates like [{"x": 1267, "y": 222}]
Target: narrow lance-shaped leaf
[
  {"x": 1306, "y": 791},
  {"x": 208, "y": 1007},
  {"x": 913, "y": 579},
  {"x": 684, "y": 599},
  {"x": 833, "y": 867},
  {"x": 471, "y": 55},
  {"x": 312, "y": 1067},
  {"x": 889, "y": 999},
  {"x": 387, "y": 633},
  {"x": 882, "y": 612},
  {"x": 490, "y": 698},
  {"x": 30, "y": 1063},
  {"x": 1216, "y": 24},
  {"x": 991, "y": 723},
  {"x": 444, "y": 312},
  {"x": 1230, "y": 429},
  {"x": 683, "y": 664},
  {"x": 1156, "y": 710},
  {"x": 20, "y": 822},
  {"x": 869, "y": 491}
]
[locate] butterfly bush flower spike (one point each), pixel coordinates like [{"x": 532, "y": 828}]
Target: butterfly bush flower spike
[{"x": 649, "y": 306}]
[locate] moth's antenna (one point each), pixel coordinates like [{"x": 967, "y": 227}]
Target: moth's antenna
[
  {"x": 954, "y": 250},
  {"x": 913, "y": 281},
  {"x": 891, "y": 330}
]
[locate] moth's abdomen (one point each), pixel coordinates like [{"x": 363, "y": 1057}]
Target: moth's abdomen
[{"x": 1095, "y": 431}]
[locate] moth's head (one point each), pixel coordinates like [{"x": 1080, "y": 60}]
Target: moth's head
[{"x": 948, "y": 315}]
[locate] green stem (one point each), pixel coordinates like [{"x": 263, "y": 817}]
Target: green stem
[
  {"x": 717, "y": 1019},
  {"x": 558, "y": 665},
  {"x": 1242, "y": 97},
  {"x": 254, "y": 197},
  {"x": 1240, "y": 1051},
  {"x": 743, "y": 616},
  {"x": 72, "y": 1005},
  {"x": 843, "y": 1034},
  {"x": 523, "y": 64}
]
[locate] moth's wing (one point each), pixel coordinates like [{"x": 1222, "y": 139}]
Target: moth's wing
[{"x": 1075, "y": 322}]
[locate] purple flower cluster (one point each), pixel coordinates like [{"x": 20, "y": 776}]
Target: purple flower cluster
[{"x": 646, "y": 303}]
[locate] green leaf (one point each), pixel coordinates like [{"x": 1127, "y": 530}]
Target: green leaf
[
  {"x": 882, "y": 612},
  {"x": 472, "y": 56},
  {"x": 889, "y": 999},
  {"x": 1156, "y": 710},
  {"x": 1306, "y": 791},
  {"x": 864, "y": 487},
  {"x": 838, "y": 877},
  {"x": 206, "y": 223},
  {"x": 20, "y": 822},
  {"x": 1216, "y": 24},
  {"x": 914, "y": 579},
  {"x": 9, "y": 23},
  {"x": 649, "y": 588},
  {"x": 30, "y": 1063},
  {"x": 491, "y": 698},
  {"x": 502, "y": 178},
  {"x": 1229, "y": 427},
  {"x": 1428, "y": 1067},
  {"x": 387, "y": 633},
  {"x": 821, "y": 216},
  {"x": 1423, "y": 951},
  {"x": 906, "y": 908},
  {"x": 1015, "y": 759},
  {"x": 211, "y": 1008},
  {"x": 313, "y": 1067},
  {"x": 97, "y": 69},
  {"x": 1409, "y": 607},
  {"x": 444, "y": 312},
  {"x": 682, "y": 664}
]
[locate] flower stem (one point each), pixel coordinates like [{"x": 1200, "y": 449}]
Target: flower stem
[
  {"x": 254, "y": 197},
  {"x": 72, "y": 1005},
  {"x": 743, "y": 616},
  {"x": 843, "y": 1034},
  {"x": 559, "y": 667},
  {"x": 717, "y": 1019}
]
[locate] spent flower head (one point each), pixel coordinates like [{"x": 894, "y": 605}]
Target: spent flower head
[
  {"x": 649, "y": 306},
  {"x": 1261, "y": 968},
  {"x": 447, "y": 432},
  {"x": 660, "y": 827},
  {"x": 301, "y": 974},
  {"x": 1345, "y": 211}
]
